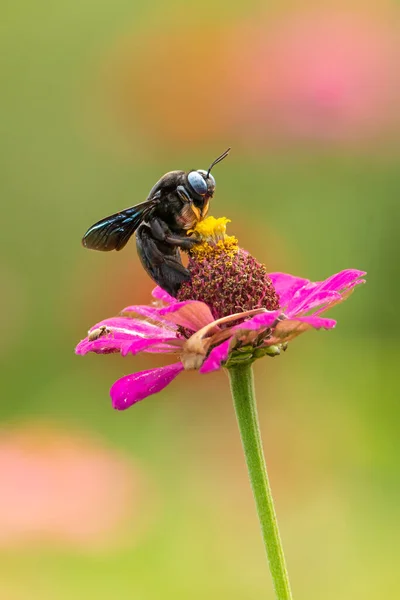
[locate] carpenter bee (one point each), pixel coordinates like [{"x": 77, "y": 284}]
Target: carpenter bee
[{"x": 175, "y": 204}]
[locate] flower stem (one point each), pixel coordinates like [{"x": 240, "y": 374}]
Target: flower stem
[{"x": 242, "y": 387}]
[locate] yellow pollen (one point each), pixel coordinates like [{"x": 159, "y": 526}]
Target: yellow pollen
[{"x": 214, "y": 241}]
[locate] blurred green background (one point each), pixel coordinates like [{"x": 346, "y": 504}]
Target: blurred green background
[{"x": 99, "y": 99}]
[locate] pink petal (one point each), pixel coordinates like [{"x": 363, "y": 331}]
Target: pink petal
[
  {"x": 260, "y": 321},
  {"x": 286, "y": 286},
  {"x": 161, "y": 294},
  {"x": 120, "y": 333},
  {"x": 135, "y": 387},
  {"x": 288, "y": 329},
  {"x": 307, "y": 299},
  {"x": 342, "y": 297},
  {"x": 322, "y": 292},
  {"x": 150, "y": 312},
  {"x": 340, "y": 281},
  {"x": 318, "y": 322},
  {"x": 122, "y": 323},
  {"x": 191, "y": 314},
  {"x": 218, "y": 355},
  {"x": 143, "y": 328},
  {"x": 103, "y": 345},
  {"x": 127, "y": 328},
  {"x": 144, "y": 310},
  {"x": 154, "y": 345}
]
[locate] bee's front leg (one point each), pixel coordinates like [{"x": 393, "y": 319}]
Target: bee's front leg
[{"x": 162, "y": 233}]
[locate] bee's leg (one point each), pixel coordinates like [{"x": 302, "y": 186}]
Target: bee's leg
[
  {"x": 161, "y": 261},
  {"x": 162, "y": 233}
]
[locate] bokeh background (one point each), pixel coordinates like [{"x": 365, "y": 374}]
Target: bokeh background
[{"x": 98, "y": 100}]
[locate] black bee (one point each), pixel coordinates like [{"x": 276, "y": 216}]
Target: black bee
[{"x": 175, "y": 204}]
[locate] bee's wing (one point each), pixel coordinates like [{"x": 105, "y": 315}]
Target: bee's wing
[{"x": 113, "y": 232}]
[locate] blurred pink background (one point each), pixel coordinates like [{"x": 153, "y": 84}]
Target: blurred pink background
[{"x": 98, "y": 101}]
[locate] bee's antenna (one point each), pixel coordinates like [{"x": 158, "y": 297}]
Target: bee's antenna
[{"x": 217, "y": 160}]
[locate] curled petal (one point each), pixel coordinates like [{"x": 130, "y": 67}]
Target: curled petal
[
  {"x": 217, "y": 356},
  {"x": 191, "y": 314},
  {"x": 136, "y": 387}
]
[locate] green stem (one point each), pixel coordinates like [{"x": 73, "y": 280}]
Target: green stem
[{"x": 242, "y": 387}]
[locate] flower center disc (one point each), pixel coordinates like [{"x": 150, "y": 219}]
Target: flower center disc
[{"x": 224, "y": 276}]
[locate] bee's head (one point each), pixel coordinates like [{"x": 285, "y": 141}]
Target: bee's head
[{"x": 202, "y": 182}]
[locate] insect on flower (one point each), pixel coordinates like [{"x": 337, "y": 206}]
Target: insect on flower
[
  {"x": 175, "y": 204},
  {"x": 95, "y": 334},
  {"x": 227, "y": 313},
  {"x": 231, "y": 311}
]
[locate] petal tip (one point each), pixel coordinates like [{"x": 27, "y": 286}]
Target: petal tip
[{"x": 81, "y": 349}]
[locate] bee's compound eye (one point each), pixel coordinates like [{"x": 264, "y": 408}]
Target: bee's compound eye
[
  {"x": 197, "y": 182},
  {"x": 210, "y": 179}
]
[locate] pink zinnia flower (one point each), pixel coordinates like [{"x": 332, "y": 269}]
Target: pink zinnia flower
[{"x": 232, "y": 311}]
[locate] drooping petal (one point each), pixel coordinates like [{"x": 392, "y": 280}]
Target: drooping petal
[
  {"x": 191, "y": 314},
  {"x": 286, "y": 286},
  {"x": 136, "y": 387},
  {"x": 217, "y": 356}
]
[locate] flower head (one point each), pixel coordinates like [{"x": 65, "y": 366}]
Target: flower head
[
  {"x": 224, "y": 276},
  {"x": 231, "y": 311}
]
